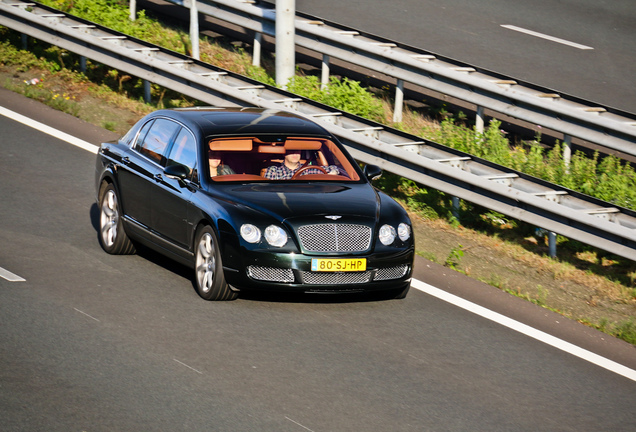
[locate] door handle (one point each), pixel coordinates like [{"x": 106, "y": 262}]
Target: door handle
[
  {"x": 125, "y": 160},
  {"x": 158, "y": 178}
]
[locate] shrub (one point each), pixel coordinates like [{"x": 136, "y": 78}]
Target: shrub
[{"x": 343, "y": 94}]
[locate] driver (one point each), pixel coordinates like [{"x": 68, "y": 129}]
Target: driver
[{"x": 291, "y": 165}]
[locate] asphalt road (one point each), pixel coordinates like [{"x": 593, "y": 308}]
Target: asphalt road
[
  {"x": 471, "y": 31},
  {"x": 93, "y": 342}
]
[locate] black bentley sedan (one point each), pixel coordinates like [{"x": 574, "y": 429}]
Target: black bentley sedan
[{"x": 252, "y": 199}]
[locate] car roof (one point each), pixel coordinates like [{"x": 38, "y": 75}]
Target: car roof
[{"x": 210, "y": 121}]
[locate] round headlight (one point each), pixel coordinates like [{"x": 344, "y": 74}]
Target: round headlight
[
  {"x": 250, "y": 233},
  {"x": 404, "y": 231},
  {"x": 275, "y": 236},
  {"x": 387, "y": 234}
]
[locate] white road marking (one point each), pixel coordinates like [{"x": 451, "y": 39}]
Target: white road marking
[
  {"x": 294, "y": 421},
  {"x": 526, "y": 330},
  {"x": 189, "y": 367},
  {"x": 49, "y": 130},
  {"x": 545, "y": 36},
  {"x": 84, "y": 313},
  {"x": 11, "y": 277},
  {"x": 424, "y": 287}
]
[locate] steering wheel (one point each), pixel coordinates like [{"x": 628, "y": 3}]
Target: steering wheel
[{"x": 308, "y": 167}]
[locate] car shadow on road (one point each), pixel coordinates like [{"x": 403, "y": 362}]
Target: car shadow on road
[
  {"x": 145, "y": 252},
  {"x": 250, "y": 295},
  {"x": 94, "y": 215},
  {"x": 316, "y": 298}
]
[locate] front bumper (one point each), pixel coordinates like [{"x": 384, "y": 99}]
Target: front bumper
[{"x": 260, "y": 270}]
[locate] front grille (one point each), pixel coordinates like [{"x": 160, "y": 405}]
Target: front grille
[
  {"x": 270, "y": 274},
  {"x": 314, "y": 278},
  {"x": 391, "y": 273},
  {"x": 335, "y": 238}
]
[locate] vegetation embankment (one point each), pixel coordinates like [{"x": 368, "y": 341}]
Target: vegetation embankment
[{"x": 51, "y": 76}]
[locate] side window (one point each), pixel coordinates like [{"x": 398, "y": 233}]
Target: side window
[
  {"x": 156, "y": 141},
  {"x": 130, "y": 135},
  {"x": 184, "y": 152},
  {"x": 142, "y": 134}
]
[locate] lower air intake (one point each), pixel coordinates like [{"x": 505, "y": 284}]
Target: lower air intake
[
  {"x": 270, "y": 274},
  {"x": 391, "y": 273},
  {"x": 313, "y": 278}
]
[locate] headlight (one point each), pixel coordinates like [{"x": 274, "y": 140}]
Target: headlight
[
  {"x": 387, "y": 234},
  {"x": 275, "y": 236},
  {"x": 250, "y": 233},
  {"x": 404, "y": 231}
]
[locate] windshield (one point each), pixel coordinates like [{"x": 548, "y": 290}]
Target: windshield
[{"x": 291, "y": 158}]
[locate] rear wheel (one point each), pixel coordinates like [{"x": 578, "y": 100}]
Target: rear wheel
[
  {"x": 210, "y": 280},
  {"x": 112, "y": 236}
]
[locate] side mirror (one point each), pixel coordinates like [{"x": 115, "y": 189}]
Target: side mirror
[
  {"x": 372, "y": 172},
  {"x": 177, "y": 172}
]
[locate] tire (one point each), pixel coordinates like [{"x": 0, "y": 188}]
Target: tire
[
  {"x": 210, "y": 280},
  {"x": 112, "y": 236}
]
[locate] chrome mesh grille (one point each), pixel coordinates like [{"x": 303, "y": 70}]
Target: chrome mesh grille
[
  {"x": 391, "y": 273},
  {"x": 335, "y": 237},
  {"x": 270, "y": 274},
  {"x": 316, "y": 278}
]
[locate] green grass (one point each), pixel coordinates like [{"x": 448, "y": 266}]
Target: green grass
[{"x": 61, "y": 102}]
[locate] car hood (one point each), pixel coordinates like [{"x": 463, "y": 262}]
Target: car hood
[{"x": 286, "y": 201}]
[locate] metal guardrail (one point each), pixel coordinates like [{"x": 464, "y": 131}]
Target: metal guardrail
[
  {"x": 572, "y": 116},
  {"x": 520, "y": 196}
]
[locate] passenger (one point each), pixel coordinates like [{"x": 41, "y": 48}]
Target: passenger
[
  {"x": 291, "y": 165},
  {"x": 216, "y": 167}
]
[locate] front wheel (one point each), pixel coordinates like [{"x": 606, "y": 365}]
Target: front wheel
[
  {"x": 210, "y": 280},
  {"x": 112, "y": 236}
]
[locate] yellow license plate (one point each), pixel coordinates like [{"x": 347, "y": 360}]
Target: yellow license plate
[{"x": 338, "y": 264}]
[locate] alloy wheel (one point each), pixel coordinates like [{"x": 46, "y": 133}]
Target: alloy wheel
[{"x": 206, "y": 262}]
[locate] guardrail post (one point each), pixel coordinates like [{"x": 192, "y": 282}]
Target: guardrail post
[
  {"x": 147, "y": 94},
  {"x": 324, "y": 77},
  {"x": 455, "y": 207},
  {"x": 83, "y": 64},
  {"x": 552, "y": 244},
  {"x": 567, "y": 151},
  {"x": 479, "y": 120},
  {"x": 256, "y": 52},
  {"x": 399, "y": 101},
  {"x": 25, "y": 41},
  {"x": 285, "y": 44},
  {"x": 133, "y": 10},
  {"x": 194, "y": 29}
]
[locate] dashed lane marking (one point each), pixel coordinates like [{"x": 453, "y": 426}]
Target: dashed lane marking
[
  {"x": 189, "y": 367},
  {"x": 84, "y": 313},
  {"x": 547, "y": 37},
  {"x": 11, "y": 277},
  {"x": 295, "y": 422}
]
